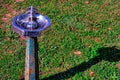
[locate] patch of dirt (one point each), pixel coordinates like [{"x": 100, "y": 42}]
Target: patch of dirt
[
  {"x": 96, "y": 39},
  {"x": 77, "y": 52},
  {"x": 118, "y": 65},
  {"x": 19, "y": 0},
  {"x": 91, "y": 73}
]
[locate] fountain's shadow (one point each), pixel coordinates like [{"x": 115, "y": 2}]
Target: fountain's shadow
[{"x": 111, "y": 54}]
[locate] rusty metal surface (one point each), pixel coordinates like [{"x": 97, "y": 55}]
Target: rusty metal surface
[{"x": 31, "y": 60}]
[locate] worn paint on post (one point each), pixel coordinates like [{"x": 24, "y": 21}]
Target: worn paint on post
[{"x": 31, "y": 60}]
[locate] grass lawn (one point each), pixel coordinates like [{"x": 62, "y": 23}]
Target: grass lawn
[{"x": 83, "y": 42}]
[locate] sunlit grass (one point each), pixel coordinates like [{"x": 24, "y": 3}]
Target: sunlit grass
[{"x": 76, "y": 25}]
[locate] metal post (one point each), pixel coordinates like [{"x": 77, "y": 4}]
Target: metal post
[
  {"x": 31, "y": 59},
  {"x": 30, "y": 24}
]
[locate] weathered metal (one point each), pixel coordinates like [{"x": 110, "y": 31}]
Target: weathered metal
[
  {"x": 30, "y": 24},
  {"x": 31, "y": 59}
]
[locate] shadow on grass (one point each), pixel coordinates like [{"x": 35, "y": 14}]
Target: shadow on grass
[{"x": 105, "y": 53}]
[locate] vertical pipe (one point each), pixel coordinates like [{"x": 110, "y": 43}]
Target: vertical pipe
[{"x": 31, "y": 59}]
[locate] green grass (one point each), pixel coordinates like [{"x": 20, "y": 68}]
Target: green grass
[{"x": 90, "y": 28}]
